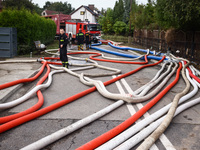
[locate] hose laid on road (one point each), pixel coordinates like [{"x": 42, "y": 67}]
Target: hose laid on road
[
  {"x": 117, "y": 61},
  {"x": 39, "y": 94},
  {"x": 193, "y": 76},
  {"x": 52, "y": 107},
  {"x": 126, "y": 55},
  {"x": 116, "y": 71},
  {"x": 122, "y": 59},
  {"x": 27, "y": 95},
  {"x": 129, "y": 97},
  {"x": 136, "y": 92},
  {"x": 143, "y": 123},
  {"x": 71, "y": 128},
  {"x": 6, "y": 85},
  {"x": 30, "y": 93},
  {"x": 145, "y": 132},
  {"x": 130, "y": 48},
  {"x": 197, "y": 71},
  {"x": 115, "y": 131},
  {"x": 148, "y": 130},
  {"x": 155, "y": 82},
  {"x": 103, "y": 56},
  {"x": 65, "y": 131},
  {"x": 165, "y": 123},
  {"x": 193, "y": 71},
  {"x": 17, "y": 61}
]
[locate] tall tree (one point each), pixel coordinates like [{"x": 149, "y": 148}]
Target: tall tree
[
  {"x": 182, "y": 14},
  {"x": 118, "y": 11},
  {"x": 127, "y": 8},
  {"x": 64, "y": 8},
  {"x": 107, "y": 22},
  {"x": 37, "y": 9},
  {"x": 18, "y": 4}
]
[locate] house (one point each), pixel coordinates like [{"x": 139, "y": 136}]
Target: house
[
  {"x": 49, "y": 12},
  {"x": 85, "y": 13}
]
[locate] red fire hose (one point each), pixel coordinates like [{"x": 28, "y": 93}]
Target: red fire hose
[
  {"x": 52, "y": 107},
  {"x": 33, "y": 108},
  {"x": 115, "y": 131},
  {"x": 6, "y": 85}
]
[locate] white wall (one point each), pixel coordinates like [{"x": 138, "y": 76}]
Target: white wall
[{"x": 88, "y": 15}]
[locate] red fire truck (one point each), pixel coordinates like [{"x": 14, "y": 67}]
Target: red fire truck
[
  {"x": 72, "y": 28},
  {"x": 59, "y": 20}
]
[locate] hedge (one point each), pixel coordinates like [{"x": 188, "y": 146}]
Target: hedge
[{"x": 30, "y": 27}]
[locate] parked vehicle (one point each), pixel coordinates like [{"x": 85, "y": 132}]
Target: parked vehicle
[{"x": 72, "y": 28}]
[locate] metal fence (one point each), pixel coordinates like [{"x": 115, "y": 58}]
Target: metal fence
[
  {"x": 182, "y": 46},
  {"x": 8, "y": 42}
]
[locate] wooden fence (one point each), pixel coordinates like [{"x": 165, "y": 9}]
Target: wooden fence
[{"x": 182, "y": 46}]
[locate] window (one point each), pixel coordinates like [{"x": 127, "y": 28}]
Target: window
[
  {"x": 82, "y": 12},
  {"x": 85, "y": 27}
]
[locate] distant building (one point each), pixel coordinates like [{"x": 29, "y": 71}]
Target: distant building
[
  {"x": 85, "y": 13},
  {"x": 49, "y": 12}
]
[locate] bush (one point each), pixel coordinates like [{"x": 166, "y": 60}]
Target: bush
[
  {"x": 30, "y": 28},
  {"x": 120, "y": 28}
]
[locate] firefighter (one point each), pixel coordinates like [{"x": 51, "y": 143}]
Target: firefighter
[
  {"x": 80, "y": 39},
  {"x": 63, "y": 40},
  {"x": 87, "y": 40}
]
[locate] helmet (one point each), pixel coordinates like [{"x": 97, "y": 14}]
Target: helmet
[{"x": 80, "y": 30}]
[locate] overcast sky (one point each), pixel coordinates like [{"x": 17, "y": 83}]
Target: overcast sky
[{"x": 77, "y": 3}]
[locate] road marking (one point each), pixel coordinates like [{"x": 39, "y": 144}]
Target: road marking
[
  {"x": 165, "y": 141},
  {"x": 130, "y": 107}
]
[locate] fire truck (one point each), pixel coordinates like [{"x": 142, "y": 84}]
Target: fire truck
[
  {"x": 59, "y": 20},
  {"x": 72, "y": 28}
]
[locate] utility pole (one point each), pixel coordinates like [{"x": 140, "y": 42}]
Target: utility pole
[{"x": 129, "y": 36}]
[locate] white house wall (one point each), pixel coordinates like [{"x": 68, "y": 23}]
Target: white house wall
[{"x": 88, "y": 15}]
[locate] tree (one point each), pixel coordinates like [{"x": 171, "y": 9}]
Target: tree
[
  {"x": 127, "y": 4},
  {"x": 47, "y": 5},
  {"x": 118, "y": 11},
  {"x": 37, "y": 9},
  {"x": 120, "y": 28},
  {"x": 107, "y": 22},
  {"x": 64, "y": 8},
  {"x": 30, "y": 27},
  {"x": 182, "y": 14},
  {"x": 18, "y": 4}
]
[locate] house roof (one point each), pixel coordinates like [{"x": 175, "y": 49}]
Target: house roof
[
  {"x": 50, "y": 12},
  {"x": 86, "y": 7}
]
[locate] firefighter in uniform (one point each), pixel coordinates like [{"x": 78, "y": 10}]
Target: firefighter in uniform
[
  {"x": 63, "y": 40},
  {"x": 80, "y": 39},
  {"x": 87, "y": 39}
]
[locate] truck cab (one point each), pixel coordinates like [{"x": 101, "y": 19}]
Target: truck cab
[{"x": 72, "y": 28}]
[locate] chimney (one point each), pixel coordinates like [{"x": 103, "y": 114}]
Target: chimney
[{"x": 91, "y": 7}]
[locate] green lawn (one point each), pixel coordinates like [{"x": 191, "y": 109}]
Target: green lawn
[{"x": 53, "y": 45}]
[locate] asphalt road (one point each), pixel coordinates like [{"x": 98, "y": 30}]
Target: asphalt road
[{"x": 183, "y": 132}]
